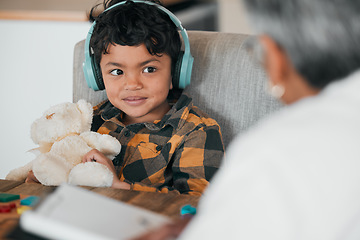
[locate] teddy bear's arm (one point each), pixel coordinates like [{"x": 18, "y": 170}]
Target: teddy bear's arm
[{"x": 104, "y": 143}]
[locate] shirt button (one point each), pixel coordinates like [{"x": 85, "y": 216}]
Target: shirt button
[
  {"x": 127, "y": 133},
  {"x": 158, "y": 148}
]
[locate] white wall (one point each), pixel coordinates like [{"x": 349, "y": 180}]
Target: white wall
[
  {"x": 232, "y": 17},
  {"x": 36, "y": 60}
]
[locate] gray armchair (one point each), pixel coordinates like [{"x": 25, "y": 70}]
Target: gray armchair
[{"x": 226, "y": 82}]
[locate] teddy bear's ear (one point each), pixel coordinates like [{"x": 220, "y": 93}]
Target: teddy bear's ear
[{"x": 87, "y": 113}]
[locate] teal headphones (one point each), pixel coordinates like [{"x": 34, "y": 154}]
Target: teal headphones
[{"x": 183, "y": 67}]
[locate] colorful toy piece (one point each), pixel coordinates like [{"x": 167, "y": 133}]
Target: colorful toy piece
[
  {"x": 22, "y": 209},
  {"x": 7, "y": 197},
  {"x": 188, "y": 210},
  {"x": 6, "y": 208},
  {"x": 30, "y": 201}
]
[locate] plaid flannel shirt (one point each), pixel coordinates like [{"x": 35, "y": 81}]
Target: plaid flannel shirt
[{"x": 179, "y": 153}]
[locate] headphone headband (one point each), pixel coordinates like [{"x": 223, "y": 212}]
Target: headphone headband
[{"x": 94, "y": 78}]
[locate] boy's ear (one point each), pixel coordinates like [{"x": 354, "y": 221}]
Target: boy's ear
[{"x": 276, "y": 61}]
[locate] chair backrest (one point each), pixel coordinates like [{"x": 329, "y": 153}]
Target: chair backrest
[{"x": 226, "y": 82}]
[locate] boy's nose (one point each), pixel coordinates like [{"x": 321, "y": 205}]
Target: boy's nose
[{"x": 133, "y": 83}]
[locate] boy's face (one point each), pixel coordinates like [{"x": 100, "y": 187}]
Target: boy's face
[{"x": 137, "y": 82}]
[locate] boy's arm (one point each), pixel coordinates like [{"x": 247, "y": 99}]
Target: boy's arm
[{"x": 195, "y": 162}]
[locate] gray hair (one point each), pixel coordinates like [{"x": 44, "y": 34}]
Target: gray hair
[{"x": 321, "y": 37}]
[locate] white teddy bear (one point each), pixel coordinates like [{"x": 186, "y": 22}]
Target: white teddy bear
[{"x": 64, "y": 137}]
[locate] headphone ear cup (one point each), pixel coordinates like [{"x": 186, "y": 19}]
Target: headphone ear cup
[
  {"x": 97, "y": 74},
  {"x": 177, "y": 70},
  {"x": 92, "y": 72}
]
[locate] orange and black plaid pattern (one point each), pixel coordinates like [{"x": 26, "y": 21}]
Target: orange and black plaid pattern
[{"x": 179, "y": 153}]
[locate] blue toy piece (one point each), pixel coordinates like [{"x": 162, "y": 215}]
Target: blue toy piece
[
  {"x": 188, "y": 210},
  {"x": 30, "y": 201}
]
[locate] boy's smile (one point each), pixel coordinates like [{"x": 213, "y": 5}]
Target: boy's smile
[{"x": 137, "y": 82}]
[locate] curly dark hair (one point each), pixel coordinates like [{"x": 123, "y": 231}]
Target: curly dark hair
[{"x": 132, "y": 24}]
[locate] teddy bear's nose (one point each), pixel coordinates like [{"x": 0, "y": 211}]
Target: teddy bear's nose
[{"x": 49, "y": 116}]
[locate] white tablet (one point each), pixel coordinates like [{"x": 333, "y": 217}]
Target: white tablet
[{"x": 72, "y": 212}]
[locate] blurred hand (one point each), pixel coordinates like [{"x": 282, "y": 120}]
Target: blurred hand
[{"x": 166, "y": 232}]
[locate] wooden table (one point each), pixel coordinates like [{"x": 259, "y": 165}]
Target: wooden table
[{"x": 166, "y": 204}]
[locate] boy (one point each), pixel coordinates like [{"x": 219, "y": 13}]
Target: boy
[{"x": 165, "y": 147}]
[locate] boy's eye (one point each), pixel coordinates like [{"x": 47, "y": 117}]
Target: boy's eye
[
  {"x": 116, "y": 72},
  {"x": 149, "y": 69}
]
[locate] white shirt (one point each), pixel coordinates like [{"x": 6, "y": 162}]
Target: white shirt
[{"x": 296, "y": 175}]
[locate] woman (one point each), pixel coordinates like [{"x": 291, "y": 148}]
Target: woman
[{"x": 296, "y": 174}]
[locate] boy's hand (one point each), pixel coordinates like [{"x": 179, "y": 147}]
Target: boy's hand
[
  {"x": 96, "y": 156},
  {"x": 31, "y": 178}
]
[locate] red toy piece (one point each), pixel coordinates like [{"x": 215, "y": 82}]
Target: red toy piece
[{"x": 6, "y": 208}]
